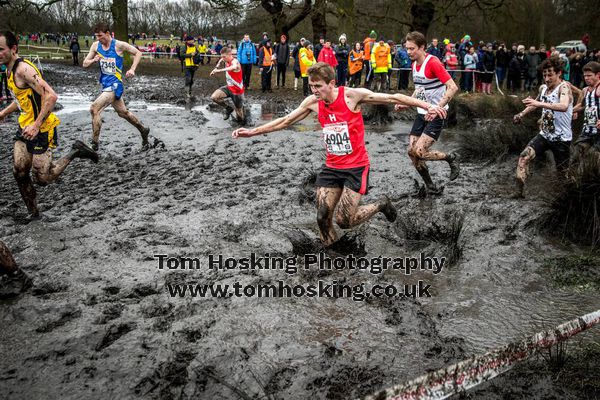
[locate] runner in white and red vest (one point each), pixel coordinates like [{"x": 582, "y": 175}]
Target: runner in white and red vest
[
  {"x": 343, "y": 180},
  {"x": 235, "y": 85},
  {"x": 434, "y": 85}
]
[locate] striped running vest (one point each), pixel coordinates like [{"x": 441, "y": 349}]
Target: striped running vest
[
  {"x": 429, "y": 90},
  {"x": 591, "y": 112}
]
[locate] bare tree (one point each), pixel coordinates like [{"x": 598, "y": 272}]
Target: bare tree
[{"x": 284, "y": 16}]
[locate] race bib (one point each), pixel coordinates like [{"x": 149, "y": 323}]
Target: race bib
[
  {"x": 337, "y": 139},
  {"x": 591, "y": 116},
  {"x": 108, "y": 66},
  {"x": 548, "y": 123},
  {"x": 420, "y": 94}
]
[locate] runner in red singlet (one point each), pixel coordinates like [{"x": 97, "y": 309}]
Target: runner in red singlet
[
  {"x": 344, "y": 177},
  {"x": 235, "y": 85}
]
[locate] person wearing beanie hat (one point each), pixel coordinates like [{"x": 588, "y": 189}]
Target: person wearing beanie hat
[
  {"x": 191, "y": 55},
  {"x": 342, "y": 50},
  {"x": 265, "y": 62},
  {"x": 296, "y": 57},
  {"x": 282, "y": 53},
  {"x": 381, "y": 62},
  {"x": 368, "y": 44},
  {"x": 307, "y": 59}
]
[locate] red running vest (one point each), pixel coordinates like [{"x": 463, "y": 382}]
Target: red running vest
[
  {"x": 343, "y": 134},
  {"x": 234, "y": 80}
]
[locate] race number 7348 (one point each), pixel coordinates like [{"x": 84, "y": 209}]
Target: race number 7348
[{"x": 108, "y": 66}]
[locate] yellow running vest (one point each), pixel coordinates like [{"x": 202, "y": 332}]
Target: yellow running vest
[{"x": 30, "y": 102}]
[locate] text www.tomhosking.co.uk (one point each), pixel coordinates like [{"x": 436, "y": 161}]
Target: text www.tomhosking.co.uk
[{"x": 291, "y": 265}]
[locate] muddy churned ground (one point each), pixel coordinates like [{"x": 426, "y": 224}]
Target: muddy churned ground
[{"x": 100, "y": 322}]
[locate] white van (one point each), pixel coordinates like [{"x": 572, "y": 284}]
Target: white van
[{"x": 576, "y": 45}]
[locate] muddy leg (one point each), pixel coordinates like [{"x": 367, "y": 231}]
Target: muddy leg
[
  {"x": 123, "y": 112},
  {"x": 14, "y": 280},
  {"x": 45, "y": 171},
  {"x": 350, "y": 214},
  {"x": 239, "y": 112},
  {"x": 21, "y": 168},
  {"x": 219, "y": 97},
  {"x": 327, "y": 199},
  {"x": 7, "y": 262},
  {"x": 422, "y": 150},
  {"x": 420, "y": 165},
  {"x": 523, "y": 169},
  {"x": 96, "y": 109}
]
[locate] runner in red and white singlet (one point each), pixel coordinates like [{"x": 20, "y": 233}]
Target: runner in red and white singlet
[
  {"x": 434, "y": 85},
  {"x": 235, "y": 85},
  {"x": 344, "y": 177}
]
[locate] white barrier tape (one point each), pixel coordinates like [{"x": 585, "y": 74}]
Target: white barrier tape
[
  {"x": 30, "y": 46},
  {"x": 467, "y": 374}
]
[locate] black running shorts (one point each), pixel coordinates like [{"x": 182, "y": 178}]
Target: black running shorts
[
  {"x": 356, "y": 179},
  {"x": 41, "y": 142},
  {"x": 238, "y": 99},
  {"x": 432, "y": 129},
  {"x": 560, "y": 150}
]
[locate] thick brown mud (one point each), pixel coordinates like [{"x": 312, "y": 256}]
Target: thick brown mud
[{"x": 100, "y": 322}]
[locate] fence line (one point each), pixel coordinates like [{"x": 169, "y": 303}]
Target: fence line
[
  {"x": 150, "y": 55},
  {"x": 467, "y": 374}
]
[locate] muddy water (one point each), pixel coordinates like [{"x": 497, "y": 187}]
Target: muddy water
[{"x": 99, "y": 321}]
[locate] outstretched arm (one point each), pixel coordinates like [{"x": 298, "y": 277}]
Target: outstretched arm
[
  {"x": 531, "y": 105},
  {"x": 365, "y": 96},
  {"x": 235, "y": 66},
  {"x": 297, "y": 115}
]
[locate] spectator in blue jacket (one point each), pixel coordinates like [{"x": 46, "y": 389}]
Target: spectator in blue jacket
[
  {"x": 470, "y": 65},
  {"x": 403, "y": 61},
  {"x": 463, "y": 49},
  {"x": 246, "y": 56},
  {"x": 434, "y": 49}
]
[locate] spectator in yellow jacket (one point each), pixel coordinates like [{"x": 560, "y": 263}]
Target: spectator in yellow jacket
[
  {"x": 307, "y": 58},
  {"x": 381, "y": 62},
  {"x": 202, "y": 48}
]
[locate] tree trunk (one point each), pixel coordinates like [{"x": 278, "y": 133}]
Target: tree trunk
[
  {"x": 280, "y": 19},
  {"x": 345, "y": 12},
  {"x": 118, "y": 10},
  {"x": 319, "y": 23},
  {"x": 422, "y": 13}
]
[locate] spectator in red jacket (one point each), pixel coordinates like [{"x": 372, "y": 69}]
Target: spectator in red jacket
[{"x": 327, "y": 55}]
